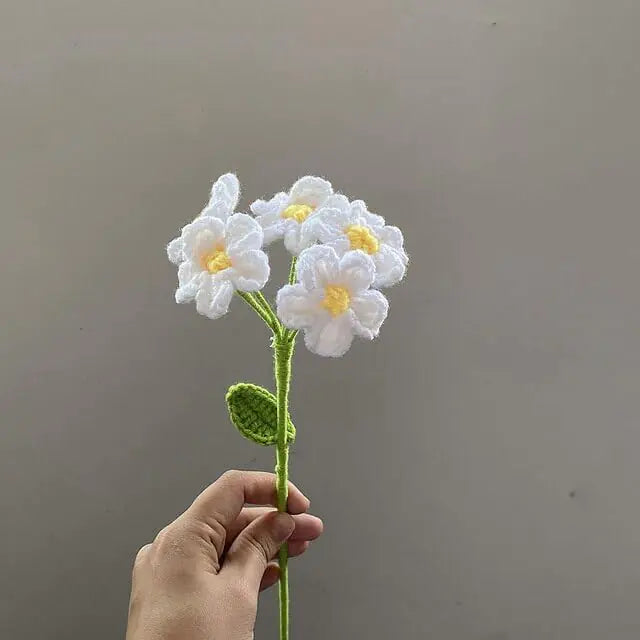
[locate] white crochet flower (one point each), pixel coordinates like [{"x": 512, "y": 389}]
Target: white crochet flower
[
  {"x": 332, "y": 301},
  {"x": 225, "y": 193},
  {"x": 288, "y": 214},
  {"x": 348, "y": 226},
  {"x": 220, "y": 256}
]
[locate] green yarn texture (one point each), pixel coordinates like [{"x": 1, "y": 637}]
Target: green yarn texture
[
  {"x": 254, "y": 412},
  {"x": 283, "y": 353},
  {"x": 264, "y": 418}
]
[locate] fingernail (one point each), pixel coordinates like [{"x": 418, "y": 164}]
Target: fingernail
[{"x": 298, "y": 507}]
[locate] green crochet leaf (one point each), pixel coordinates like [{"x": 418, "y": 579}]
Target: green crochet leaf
[{"x": 253, "y": 411}]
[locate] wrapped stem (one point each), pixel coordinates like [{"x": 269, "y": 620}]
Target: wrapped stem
[
  {"x": 283, "y": 346},
  {"x": 283, "y": 356}
]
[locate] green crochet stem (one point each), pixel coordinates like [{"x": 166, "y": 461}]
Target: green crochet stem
[
  {"x": 292, "y": 270},
  {"x": 283, "y": 351},
  {"x": 256, "y": 305},
  {"x": 270, "y": 312},
  {"x": 283, "y": 347}
]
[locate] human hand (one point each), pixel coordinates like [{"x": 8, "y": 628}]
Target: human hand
[{"x": 200, "y": 578}]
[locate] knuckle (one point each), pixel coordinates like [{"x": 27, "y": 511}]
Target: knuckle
[
  {"x": 142, "y": 555},
  {"x": 233, "y": 475},
  {"x": 163, "y": 536},
  {"x": 170, "y": 540}
]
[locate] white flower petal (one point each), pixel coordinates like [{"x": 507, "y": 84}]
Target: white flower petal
[
  {"x": 187, "y": 271},
  {"x": 391, "y": 265},
  {"x": 242, "y": 233},
  {"x": 317, "y": 266},
  {"x": 204, "y": 242},
  {"x": 337, "y": 201},
  {"x": 189, "y": 279},
  {"x": 391, "y": 236},
  {"x": 357, "y": 271},
  {"x": 374, "y": 221},
  {"x": 217, "y": 209},
  {"x": 274, "y": 206},
  {"x": 252, "y": 241},
  {"x": 226, "y": 189},
  {"x": 292, "y": 238},
  {"x": 296, "y": 237},
  {"x": 186, "y": 294},
  {"x": 213, "y": 297},
  {"x": 202, "y": 232},
  {"x": 370, "y": 309},
  {"x": 330, "y": 336},
  {"x": 273, "y": 227},
  {"x": 340, "y": 245},
  {"x": 310, "y": 190},
  {"x": 174, "y": 250},
  {"x": 361, "y": 215},
  {"x": 298, "y": 308},
  {"x": 250, "y": 270},
  {"x": 326, "y": 224}
]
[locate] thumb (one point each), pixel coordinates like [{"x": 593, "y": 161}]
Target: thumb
[{"x": 258, "y": 543}]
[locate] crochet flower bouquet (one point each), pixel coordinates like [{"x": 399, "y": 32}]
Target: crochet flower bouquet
[{"x": 342, "y": 255}]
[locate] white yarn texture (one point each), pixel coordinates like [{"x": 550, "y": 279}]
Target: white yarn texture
[
  {"x": 237, "y": 237},
  {"x": 311, "y": 191},
  {"x": 329, "y": 226},
  {"x": 345, "y": 254},
  {"x": 300, "y": 306}
]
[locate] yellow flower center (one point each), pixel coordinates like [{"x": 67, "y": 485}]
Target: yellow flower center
[
  {"x": 215, "y": 260},
  {"x": 336, "y": 299},
  {"x": 362, "y": 238},
  {"x": 299, "y": 212}
]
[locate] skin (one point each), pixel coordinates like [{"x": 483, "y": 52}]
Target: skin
[{"x": 200, "y": 578}]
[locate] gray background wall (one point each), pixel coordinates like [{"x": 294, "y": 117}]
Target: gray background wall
[{"x": 476, "y": 467}]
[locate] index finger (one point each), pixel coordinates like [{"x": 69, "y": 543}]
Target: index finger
[{"x": 224, "y": 499}]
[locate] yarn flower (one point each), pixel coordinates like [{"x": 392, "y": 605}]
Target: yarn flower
[
  {"x": 218, "y": 257},
  {"x": 333, "y": 301},
  {"x": 287, "y": 215},
  {"x": 331, "y": 295},
  {"x": 348, "y": 226},
  {"x": 222, "y": 203}
]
